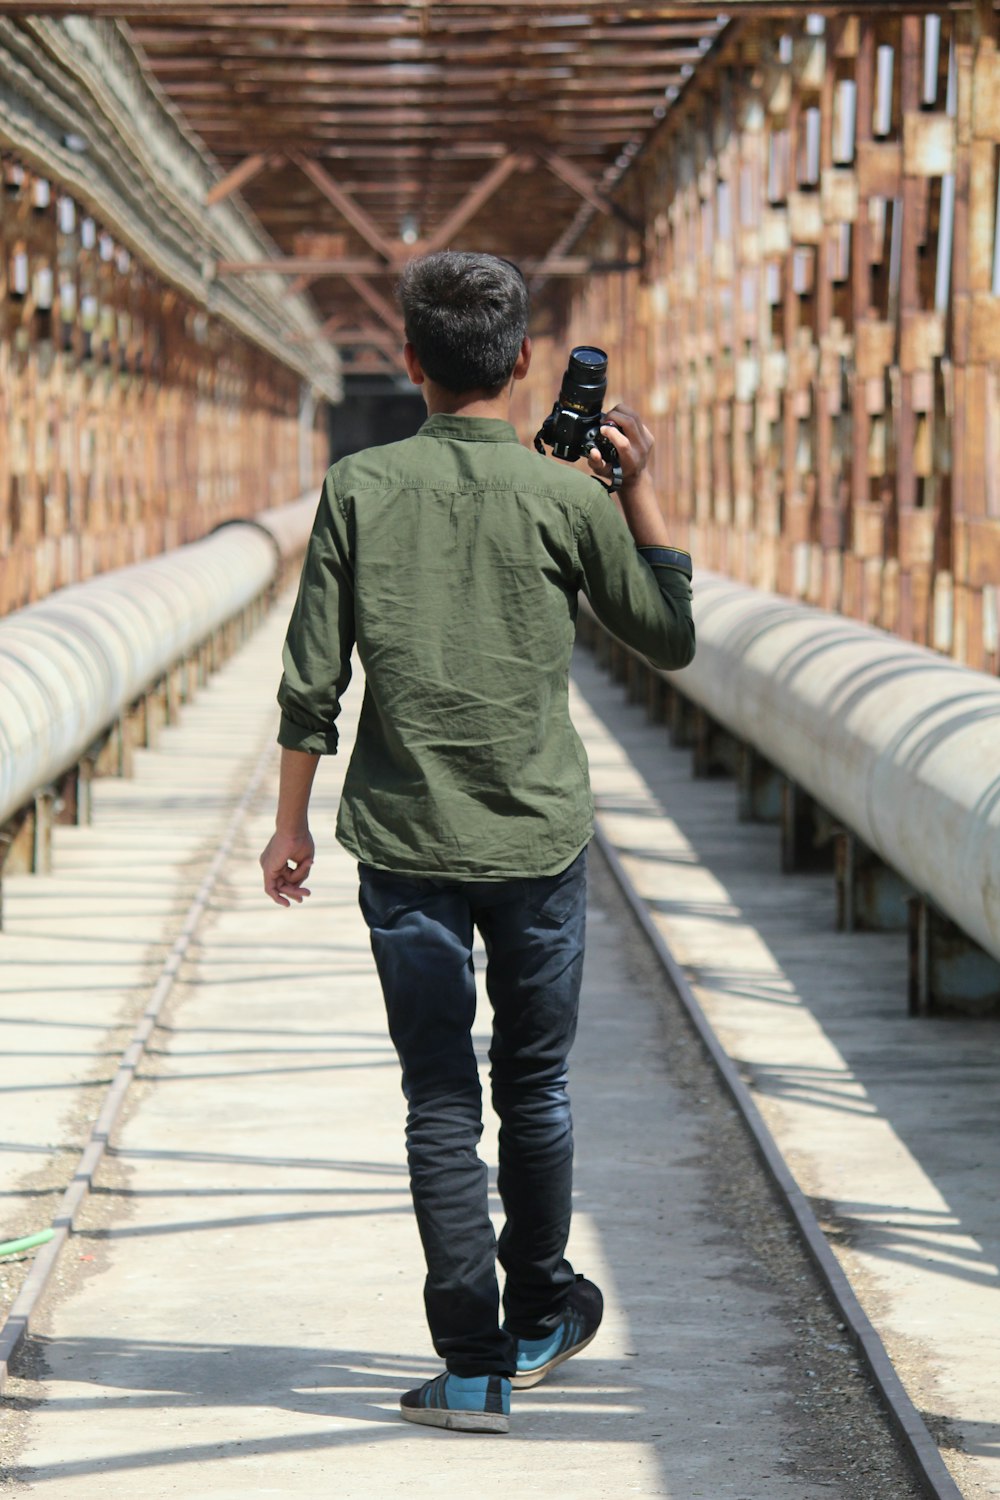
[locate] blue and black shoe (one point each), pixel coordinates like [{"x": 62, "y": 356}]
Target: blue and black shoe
[
  {"x": 476, "y": 1403},
  {"x": 577, "y": 1327}
]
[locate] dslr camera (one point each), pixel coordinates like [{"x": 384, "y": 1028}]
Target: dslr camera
[{"x": 574, "y": 424}]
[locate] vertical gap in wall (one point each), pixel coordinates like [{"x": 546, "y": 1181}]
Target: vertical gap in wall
[
  {"x": 992, "y": 437},
  {"x": 845, "y": 122},
  {"x": 995, "y": 288},
  {"x": 895, "y": 260},
  {"x": 884, "y": 73},
  {"x": 932, "y": 56},
  {"x": 812, "y": 134},
  {"x": 946, "y": 223}
]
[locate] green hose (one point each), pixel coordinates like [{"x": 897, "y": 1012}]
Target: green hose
[{"x": 14, "y": 1247}]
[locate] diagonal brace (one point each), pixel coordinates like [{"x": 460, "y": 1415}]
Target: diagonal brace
[
  {"x": 569, "y": 173},
  {"x": 474, "y": 200},
  {"x": 345, "y": 205},
  {"x": 380, "y": 306},
  {"x": 240, "y": 175}
]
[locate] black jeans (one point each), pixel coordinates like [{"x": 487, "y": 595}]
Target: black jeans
[{"x": 422, "y": 933}]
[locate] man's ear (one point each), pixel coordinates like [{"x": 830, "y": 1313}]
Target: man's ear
[
  {"x": 523, "y": 360},
  {"x": 414, "y": 368}
]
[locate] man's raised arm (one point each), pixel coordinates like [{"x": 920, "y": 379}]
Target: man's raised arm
[{"x": 636, "y": 581}]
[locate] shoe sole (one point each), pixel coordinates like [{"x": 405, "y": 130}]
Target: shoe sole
[
  {"x": 528, "y": 1378},
  {"x": 456, "y": 1421}
]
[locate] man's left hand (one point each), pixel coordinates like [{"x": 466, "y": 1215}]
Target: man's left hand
[{"x": 286, "y": 862}]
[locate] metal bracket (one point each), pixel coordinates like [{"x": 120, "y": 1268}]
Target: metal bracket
[{"x": 948, "y": 971}]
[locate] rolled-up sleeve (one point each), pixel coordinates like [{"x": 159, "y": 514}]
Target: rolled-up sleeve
[
  {"x": 317, "y": 654},
  {"x": 643, "y": 600}
]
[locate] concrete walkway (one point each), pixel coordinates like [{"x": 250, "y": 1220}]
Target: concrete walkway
[{"x": 240, "y": 1308}]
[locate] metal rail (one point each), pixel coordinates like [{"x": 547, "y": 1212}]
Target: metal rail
[{"x": 74, "y": 663}]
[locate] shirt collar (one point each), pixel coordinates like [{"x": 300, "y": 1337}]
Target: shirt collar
[{"x": 469, "y": 429}]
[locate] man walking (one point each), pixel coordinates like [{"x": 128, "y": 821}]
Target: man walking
[{"x": 453, "y": 561}]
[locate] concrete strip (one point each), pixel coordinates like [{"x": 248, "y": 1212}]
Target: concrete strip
[
  {"x": 53, "y": 1242},
  {"x": 889, "y": 1123},
  {"x": 82, "y": 945}
]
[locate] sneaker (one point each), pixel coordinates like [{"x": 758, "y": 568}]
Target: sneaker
[
  {"x": 579, "y": 1325},
  {"x": 476, "y": 1403}
]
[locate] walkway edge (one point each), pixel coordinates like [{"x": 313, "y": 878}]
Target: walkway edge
[
  {"x": 18, "y": 1322},
  {"x": 917, "y": 1439}
]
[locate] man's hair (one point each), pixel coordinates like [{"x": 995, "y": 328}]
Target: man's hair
[{"x": 466, "y": 315}]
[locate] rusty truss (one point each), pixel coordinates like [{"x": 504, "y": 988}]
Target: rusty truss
[{"x": 360, "y": 134}]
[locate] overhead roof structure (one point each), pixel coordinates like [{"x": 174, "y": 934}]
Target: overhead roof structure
[{"x": 360, "y": 133}]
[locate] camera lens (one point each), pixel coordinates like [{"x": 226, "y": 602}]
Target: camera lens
[
  {"x": 585, "y": 383},
  {"x": 591, "y": 363}
]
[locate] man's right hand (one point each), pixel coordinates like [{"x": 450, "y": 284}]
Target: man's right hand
[
  {"x": 286, "y": 862},
  {"x": 636, "y": 495},
  {"x": 633, "y": 440}
]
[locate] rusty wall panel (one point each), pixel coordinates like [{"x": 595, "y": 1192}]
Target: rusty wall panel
[
  {"x": 130, "y": 420},
  {"x": 815, "y": 337}
]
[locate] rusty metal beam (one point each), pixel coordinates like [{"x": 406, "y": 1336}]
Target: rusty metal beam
[
  {"x": 240, "y": 175},
  {"x": 359, "y": 106},
  {"x": 376, "y": 362},
  {"x": 352, "y": 269},
  {"x": 278, "y": 62},
  {"x": 376, "y": 337},
  {"x": 476, "y": 198},
  {"x": 423, "y": 75},
  {"x": 355, "y": 215},
  {"x": 355, "y": 338},
  {"x": 240, "y": 40},
  {"x": 380, "y": 306},
  {"x": 303, "y": 265},
  {"x": 568, "y": 172},
  {"x": 303, "y": 12}
]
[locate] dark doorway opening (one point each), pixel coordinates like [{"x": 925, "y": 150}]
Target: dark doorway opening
[{"x": 376, "y": 409}]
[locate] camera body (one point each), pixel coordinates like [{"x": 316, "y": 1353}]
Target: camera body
[{"x": 574, "y": 425}]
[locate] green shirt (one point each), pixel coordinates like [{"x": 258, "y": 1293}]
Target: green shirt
[{"x": 454, "y": 560}]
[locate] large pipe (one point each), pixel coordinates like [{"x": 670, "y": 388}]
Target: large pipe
[
  {"x": 70, "y": 665},
  {"x": 899, "y": 743},
  {"x": 288, "y": 525}
]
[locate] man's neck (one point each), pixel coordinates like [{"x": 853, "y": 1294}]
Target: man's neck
[{"x": 446, "y": 403}]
